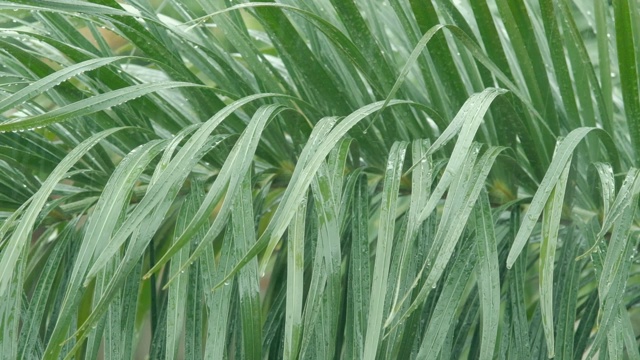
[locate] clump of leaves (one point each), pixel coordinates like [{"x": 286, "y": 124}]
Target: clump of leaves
[{"x": 322, "y": 179}]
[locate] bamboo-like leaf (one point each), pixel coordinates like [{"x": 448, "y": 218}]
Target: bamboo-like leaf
[
  {"x": 613, "y": 278},
  {"x": 420, "y": 187},
  {"x": 614, "y": 339},
  {"x": 320, "y": 319},
  {"x": 383, "y": 250},
  {"x": 11, "y": 308},
  {"x": 451, "y": 227},
  {"x": 584, "y": 329},
  {"x": 519, "y": 345},
  {"x": 573, "y": 35},
  {"x": 248, "y": 280},
  {"x": 177, "y": 301},
  {"x": 444, "y": 312},
  {"x": 472, "y": 113},
  {"x": 174, "y": 175},
  {"x": 195, "y": 315},
  {"x": 137, "y": 244},
  {"x": 627, "y": 333},
  {"x": 604, "y": 60},
  {"x": 23, "y": 230},
  {"x": 488, "y": 276},
  {"x": 46, "y": 83},
  {"x": 567, "y": 274},
  {"x": 67, "y": 7},
  {"x": 302, "y": 177},
  {"x": 234, "y": 168},
  {"x": 37, "y": 305},
  {"x": 524, "y": 44},
  {"x": 111, "y": 323},
  {"x": 562, "y": 156},
  {"x": 552, "y": 32},
  {"x": 11, "y": 221},
  {"x": 359, "y": 269},
  {"x": 218, "y": 302},
  {"x": 628, "y": 69},
  {"x": 295, "y": 288},
  {"x": 617, "y": 208},
  {"x": 550, "y": 227},
  {"x": 607, "y": 185},
  {"x": 130, "y": 299},
  {"x": 89, "y": 106},
  {"x": 102, "y": 222}
]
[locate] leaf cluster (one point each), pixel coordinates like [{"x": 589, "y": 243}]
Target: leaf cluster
[{"x": 349, "y": 179}]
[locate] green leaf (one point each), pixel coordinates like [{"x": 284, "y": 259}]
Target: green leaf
[
  {"x": 550, "y": 227},
  {"x": 89, "y": 106},
  {"x": 613, "y": 273},
  {"x": 295, "y": 285},
  {"x": 568, "y": 275},
  {"x": 248, "y": 280},
  {"x": 451, "y": 296},
  {"x": 359, "y": 271},
  {"x": 102, "y": 222},
  {"x": 312, "y": 156},
  {"x": 488, "y": 276},
  {"x": 23, "y": 230},
  {"x": 48, "y": 82},
  {"x": 563, "y": 153},
  {"x": 37, "y": 305},
  {"x": 471, "y": 114},
  {"x": 177, "y": 301},
  {"x": 235, "y": 167},
  {"x": 465, "y": 190},
  {"x": 628, "y": 68},
  {"x": 383, "y": 249},
  {"x": 171, "y": 177},
  {"x": 323, "y": 297}
]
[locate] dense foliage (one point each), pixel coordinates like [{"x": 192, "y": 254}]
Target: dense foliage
[{"x": 377, "y": 179}]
